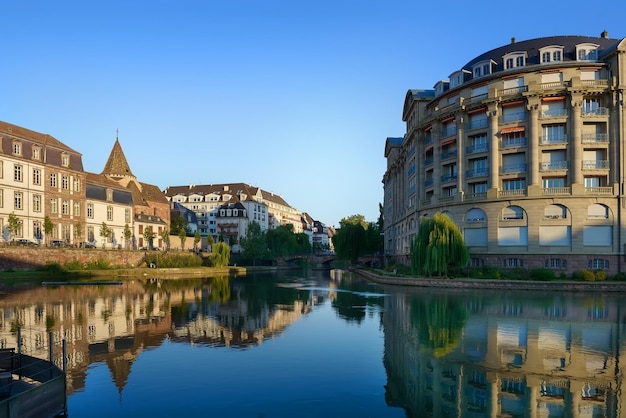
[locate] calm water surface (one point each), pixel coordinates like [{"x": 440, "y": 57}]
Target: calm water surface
[{"x": 311, "y": 344}]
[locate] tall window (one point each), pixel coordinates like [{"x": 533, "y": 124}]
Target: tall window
[
  {"x": 36, "y": 176},
  {"x": 90, "y": 210},
  {"x": 37, "y": 233},
  {"x": 17, "y": 148},
  {"x": 109, "y": 213},
  {"x": 76, "y": 208},
  {"x": 37, "y": 203},
  {"x": 53, "y": 180},
  {"x": 65, "y": 182},
  {"x": 514, "y": 184},
  {"x": 65, "y": 207},
  {"x": 77, "y": 185},
  {"x": 17, "y": 172},
  {"x": 36, "y": 153},
  {"x": 65, "y": 160},
  {"x": 18, "y": 200},
  {"x": 1, "y": 169},
  {"x": 53, "y": 205},
  {"x": 1, "y": 198},
  {"x": 90, "y": 234},
  {"x": 127, "y": 216}
]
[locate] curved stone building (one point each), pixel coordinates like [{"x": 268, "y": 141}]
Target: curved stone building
[{"x": 523, "y": 147}]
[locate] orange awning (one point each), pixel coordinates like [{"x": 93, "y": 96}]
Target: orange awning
[
  {"x": 553, "y": 99},
  {"x": 481, "y": 109},
  {"x": 515, "y": 103},
  {"x": 449, "y": 141},
  {"x": 512, "y": 129},
  {"x": 447, "y": 119}
]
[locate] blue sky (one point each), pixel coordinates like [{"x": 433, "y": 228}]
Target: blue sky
[{"x": 294, "y": 96}]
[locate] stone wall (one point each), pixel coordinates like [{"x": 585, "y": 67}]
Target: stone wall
[{"x": 34, "y": 258}]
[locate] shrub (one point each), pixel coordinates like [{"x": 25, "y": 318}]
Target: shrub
[
  {"x": 53, "y": 267},
  {"x": 600, "y": 275},
  {"x": 621, "y": 276},
  {"x": 73, "y": 265},
  {"x": 542, "y": 274},
  {"x": 173, "y": 260},
  {"x": 584, "y": 275}
]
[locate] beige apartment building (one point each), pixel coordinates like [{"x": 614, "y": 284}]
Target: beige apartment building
[{"x": 523, "y": 147}]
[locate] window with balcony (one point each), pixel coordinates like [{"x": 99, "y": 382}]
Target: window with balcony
[
  {"x": 553, "y": 160},
  {"x": 514, "y": 163},
  {"x": 595, "y": 160},
  {"x": 478, "y": 143},
  {"x": 593, "y": 106},
  {"x": 478, "y": 167},
  {"x": 553, "y": 182},
  {"x": 553, "y": 108},
  {"x": 513, "y": 113},
  {"x": 478, "y": 188},
  {"x": 514, "y": 184},
  {"x": 553, "y": 134}
]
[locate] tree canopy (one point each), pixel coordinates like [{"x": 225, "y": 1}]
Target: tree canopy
[
  {"x": 437, "y": 245},
  {"x": 254, "y": 244},
  {"x": 356, "y": 237}
]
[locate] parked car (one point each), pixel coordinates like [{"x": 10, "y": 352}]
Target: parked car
[
  {"x": 24, "y": 241},
  {"x": 86, "y": 244},
  {"x": 57, "y": 243}
]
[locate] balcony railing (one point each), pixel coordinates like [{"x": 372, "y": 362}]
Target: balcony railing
[
  {"x": 514, "y": 168},
  {"x": 557, "y": 190},
  {"x": 554, "y": 85},
  {"x": 477, "y": 172},
  {"x": 553, "y": 165},
  {"x": 595, "y": 164},
  {"x": 595, "y": 138},
  {"x": 600, "y": 111},
  {"x": 428, "y": 182},
  {"x": 551, "y": 140},
  {"x": 513, "y": 117},
  {"x": 514, "y": 192},
  {"x": 599, "y": 190},
  {"x": 513, "y": 142},
  {"x": 449, "y": 131},
  {"x": 411, "y": 170},
  {"x": 428, "y": 161},
  {"x": 448, "y": 154},
  {"x": 475, "y": 99},
  {"x": 473, "y": 149},
  {"x": 475, "y": 196},
  {"x": 446, "y": 178},
  {"x": 477, "y": 124},
  {"x": 428, "y": 139},
  {"x": 595, "y": 83},
  {"x": 513, "y": 90},
  {"x": 553, "y": 113}
]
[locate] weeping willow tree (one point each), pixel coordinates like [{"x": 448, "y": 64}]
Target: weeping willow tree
[{"x": 438, "y": 244}]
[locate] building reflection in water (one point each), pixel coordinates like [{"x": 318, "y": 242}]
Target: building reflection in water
[
  {"x": 460, "y": 354},
  {"x": 114, "y": 324}
]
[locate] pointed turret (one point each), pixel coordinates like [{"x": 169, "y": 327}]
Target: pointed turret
[{"x": 117, "y": 167}]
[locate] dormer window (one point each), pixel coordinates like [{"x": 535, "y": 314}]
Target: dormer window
[
  {"x": 553, "y": 53},
  {"x": 587, "y": 52},
  {"x": 65, "y": 160},
  {"x": 457, "y": 78},
  {"x": 514, "y": 60},
  {"x": 36, "y": 153},
  {"x": 481, "y": 68},
  {"x": 109, "y": 195},
  {"x": 17, "y": 148}
]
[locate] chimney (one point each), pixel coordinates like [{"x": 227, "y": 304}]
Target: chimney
[
  {"x": 604, "y": 34},
  {"x": 513, "y": 40}
]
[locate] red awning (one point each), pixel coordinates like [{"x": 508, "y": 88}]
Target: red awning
[
  {"x": 552, "y": 99},
  {"x": 515, "y": 103},
  {"x": 447, "y": 119},
  {"x": 512, "y": 129},
  {"x": 482, "y": 109},
  {"x": 448, "y": 141}
]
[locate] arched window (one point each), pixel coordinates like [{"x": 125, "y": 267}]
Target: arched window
[
  {"x": 597, "y": 211},
  {"x": 555, "y": 212},
  {"x": 512, "y": 212},
  {"x": 475, "y": 215}
]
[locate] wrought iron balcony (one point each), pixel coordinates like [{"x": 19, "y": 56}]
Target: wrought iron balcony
[
  {"x": 513, "y": 142},
  {"x": 595, "y": 138},
  {"x": 477, "y": 172},
  {"x": 553, "y": 165},
  {"x": 599, "y": 111},
  {"x": 514, "y": 168},
  {"x": 595, "y": 164},
  {"x": 473, "y": 149},
  {"x": 552, "y": 139}
]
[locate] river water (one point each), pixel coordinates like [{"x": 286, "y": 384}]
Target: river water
[{"x": 311, "y": 344}]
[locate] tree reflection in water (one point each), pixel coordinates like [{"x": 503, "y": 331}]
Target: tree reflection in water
[{"x": 439, "y": 320}]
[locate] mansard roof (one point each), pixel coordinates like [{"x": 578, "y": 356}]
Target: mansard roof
[
  {"x": 117, "y": 165},
  {"x": 97, "y": 185},
  {"x": 232, "y": 189},
  {"x": 532, "y": 47},
  {"x": 52, "y": 148}
]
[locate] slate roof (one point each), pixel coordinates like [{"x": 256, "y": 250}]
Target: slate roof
[
  {"x": 97, "y": 185},
  {"x": 532, "y": 47},
  {"x": 233, "y": 189}
]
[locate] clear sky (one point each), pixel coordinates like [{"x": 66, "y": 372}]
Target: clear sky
[{"x": 293, "y": 96}]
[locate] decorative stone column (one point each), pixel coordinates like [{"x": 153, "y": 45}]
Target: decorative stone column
[
  {"x": 460, "y": 156},
  {"x": 535, "y": 188},
  {"x": 494, "y": 151},
  {"x": 576, "y": 145}
]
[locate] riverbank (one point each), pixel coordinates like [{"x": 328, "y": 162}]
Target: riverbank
[{"x": 501, "y": 285}]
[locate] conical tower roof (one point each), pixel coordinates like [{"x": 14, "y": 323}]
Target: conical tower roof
[{"x": 117, "y": 166}]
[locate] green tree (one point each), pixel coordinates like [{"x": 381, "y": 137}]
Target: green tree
[
  {"x": 78, "y": 232},
  {"x": 148, "y": 236},
  {"x": 437, "y": 245},
  {"x": 127, "y": 235},
  {"x": 14, "y": 225},
  {"x": 177, "y": 224},
  {"x": 165, "y": 236},
  {"x": 182, "y": 234},
  {"x": 350, "y": 238},
  {"x": 105, "y": 233},
  {"x": 254, "y": 244},
  {"x": 220, "y": 255},
  {"x": 48, "y": 227},
  {"x": 209, "y": 242},
  {"x": 196, "y": 240},
  {"x": 281, "y": 241}
]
